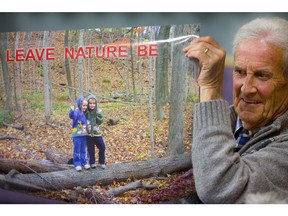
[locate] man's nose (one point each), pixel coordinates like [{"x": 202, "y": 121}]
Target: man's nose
[{"x": 248, "y": 84}]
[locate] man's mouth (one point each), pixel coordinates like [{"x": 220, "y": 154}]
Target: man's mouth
[{"x": 247, "y": 101}]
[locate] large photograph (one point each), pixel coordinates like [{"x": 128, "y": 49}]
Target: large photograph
[
  {"x": 191, "y": 112},
  {"x": 138, "y": 89}
]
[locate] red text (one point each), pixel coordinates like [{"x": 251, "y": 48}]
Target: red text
[{"x": 32, "y": 54}]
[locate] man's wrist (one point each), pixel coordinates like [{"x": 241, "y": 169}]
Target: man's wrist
[{"x": 207, "y": 94}]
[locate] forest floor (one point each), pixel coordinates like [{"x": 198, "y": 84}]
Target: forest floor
[{"x": 127, "y": 141}]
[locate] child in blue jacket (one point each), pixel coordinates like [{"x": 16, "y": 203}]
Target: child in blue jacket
[{"x": 79, "y": 133}]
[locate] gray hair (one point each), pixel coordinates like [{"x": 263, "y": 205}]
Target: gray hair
[{"x": 274, "y": 30}]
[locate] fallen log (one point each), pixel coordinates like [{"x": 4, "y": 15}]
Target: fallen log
[
  {"x": 67, "y": 179},
  {"x": 57, "y": 157},
  {"x": 8, "y": 183},
  {"x": 30, "y": 166}
]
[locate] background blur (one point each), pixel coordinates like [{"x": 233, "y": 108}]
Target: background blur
[{"x": 222, "y": 26}]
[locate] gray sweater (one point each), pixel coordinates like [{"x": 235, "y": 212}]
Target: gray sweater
[{"x": 224, "y": 176}]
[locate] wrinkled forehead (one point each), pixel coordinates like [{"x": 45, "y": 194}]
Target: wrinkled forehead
[
  {"x": 253, "y": 51},
  {"x": 258, "y": 45}
]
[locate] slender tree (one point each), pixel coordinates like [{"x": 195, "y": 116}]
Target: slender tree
[
  {"x": 132, "y": 64},
  {"x": 180, "y": 66},
  {"x": 162, "y": 62},
  {"x": 139, "y": 62},
  {"x": 80, "y": 64},
  {"x": 47, "y": 90},
  {"x": 175, "y": 137},
  {"x": 5, "y": 72},
  {"x": 29, "y": 40},
  {"x": 150, "y": 107},
  {"x": 51, "y": 44},
  {"x": 18, "y": 77},
  {"x": 89, "y": 62},
  {"x": 67, "y": 69},
  {"x": 40, "y": 36}
]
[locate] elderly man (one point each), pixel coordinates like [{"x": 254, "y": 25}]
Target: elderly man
[{"x": 242, "y": 149}]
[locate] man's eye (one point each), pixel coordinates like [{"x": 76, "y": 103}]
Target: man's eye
[
  {"x": 239, "y": 72},
  {"x": 263, "y": 75}
]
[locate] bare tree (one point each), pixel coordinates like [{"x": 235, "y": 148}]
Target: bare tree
[
  {"x": 5, "y": 72},
  {"x": 89, "y": 62},
  {"x": 18, "y": 78},
  {"x": 180, "y": 66},
  {"x": 151, "y": 67},
  {"x": 178, "y": 77},
  {"x": 31, "y": 64},
  {"x": 132, "y": 64},
  {"x": 67, "y": 69},
  {"x": 162, "y": 61},
  {"x": 175, "y": 137},
  {"x": 80, "y": 64},
  {"x": 47, "y": 90}
]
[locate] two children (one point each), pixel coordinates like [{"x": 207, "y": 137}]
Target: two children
[{"x": 86, "y": 133}]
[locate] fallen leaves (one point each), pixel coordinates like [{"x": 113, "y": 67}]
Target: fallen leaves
[{"x": 126, "y": 141}]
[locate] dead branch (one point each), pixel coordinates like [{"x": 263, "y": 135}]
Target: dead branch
[
  {"x": 75, "y": 194},
  {"x": 14, "y": 126},
  {"x": 131, "y": 186},
  {"x": 9, "y": 137},
  {"x": 119, "y": 72},
  {"x": 97, "y": 197},
  {"x": 187, "y": 174},
  {"x": 93, "y": 196}
]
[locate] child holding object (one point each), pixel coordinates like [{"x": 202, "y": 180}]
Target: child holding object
[
  {"x": 79, "y": 133},
  {"x": 95, "y": 117}
]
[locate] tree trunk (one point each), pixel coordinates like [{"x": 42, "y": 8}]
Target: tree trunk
[
  {"x": 47, "y": 90},
  {"x": 18, "y": 80},
  {"x": 132, "y": 65},
  {"x": 161, "y": 85},
  {"x": 179, "y": 73},
  {"x": 115, "y": 172},
  {"x": 80, "y": 64},
  {"x": 175, "y": 137},
  {"x": 5, "y": 72}
]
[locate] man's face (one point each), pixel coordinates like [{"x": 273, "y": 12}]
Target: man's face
[
  {"x": 92, "y": 104},
  {"x": 260, "y": 90}
]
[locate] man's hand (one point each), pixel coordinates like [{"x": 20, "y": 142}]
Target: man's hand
[{"x": 211, "y": 58}]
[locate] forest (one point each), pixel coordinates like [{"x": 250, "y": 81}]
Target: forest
[{"x": 143, "y": 83}]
